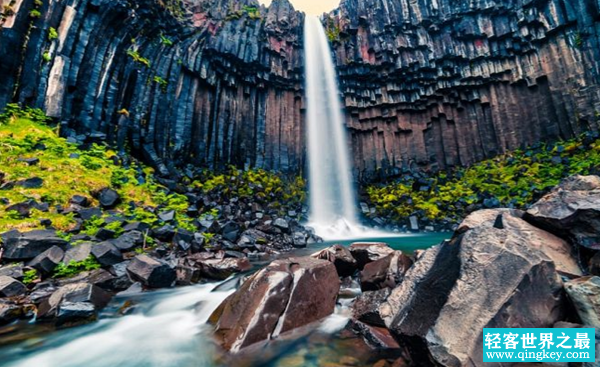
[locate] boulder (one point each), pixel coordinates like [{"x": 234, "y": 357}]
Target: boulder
[
  {"x": 584, "y": 293},
  {"x": 129, "y": 240},
  {"x": 78, "y": 253},
  {"x": 10, "y": 287},
  {"x": 285, "y": 295},
  {"x": 68, "y": 301},
  {"x": 366, "y": 306},
  {"x": 366, "y": 252},
  {"x": 151, "y": 272},
  {"x": 47, "y": 260},
  {"x": 14, "y": 270},
  {"x": 554, "y": 247},
  {"x": 485, "y": 277},
  {"x": 231, "y": 231},
  {"x": 571, "y": 210},
  {"x": 341, "y": 257},
  {"x": 252, "y": 237},
  {"x": 223, "y": 268},
  {"x": 377, "y": 337},
  {"x": 79, "y": 200},
  {"x": 26, "y": 246},
  {"x": 108, "y": 198},
  {"x": 386, "y": 272},
  {"x": 107, "y": 254}
]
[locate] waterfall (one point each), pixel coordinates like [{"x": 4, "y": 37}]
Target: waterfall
[{"x": 332, "y": 197}]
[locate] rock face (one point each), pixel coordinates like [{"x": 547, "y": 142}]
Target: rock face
[
  {"x": 212, "y": 83},
  {"x": 450, "y": 286},
  {"x": 571, "y": 210},
  {"x": 585, "y": 294},
  {"x": 285, "y": 295}
]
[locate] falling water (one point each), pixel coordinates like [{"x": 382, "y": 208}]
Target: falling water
[{"x": 332, "y": 197}]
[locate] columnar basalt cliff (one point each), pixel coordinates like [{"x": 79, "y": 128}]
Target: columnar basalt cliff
[
  {"x": 202, "y": 82},
  {"x": 445, "y": 82},
  {"x": 211, "y": 83}
]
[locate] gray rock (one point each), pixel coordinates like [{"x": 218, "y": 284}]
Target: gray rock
[
  {"x": 47, "y": 260},
  {"x": 26, "y": 246},
  {"x": 10, "y": 287},
  {"x": 151, "y": 272},
  {"x": 107, "y": 254},
  {"x": 585, "y": 295}
]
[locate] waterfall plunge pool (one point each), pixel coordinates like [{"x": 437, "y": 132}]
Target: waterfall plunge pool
[{"x": 168, "y": 328}]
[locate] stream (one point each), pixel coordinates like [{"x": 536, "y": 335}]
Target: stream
[{"x": 169, "y": 328}]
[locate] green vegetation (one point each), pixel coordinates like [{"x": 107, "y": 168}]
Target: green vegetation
[
  {"x": 579, "y": 40},
  {"x": 46, "y": 56},
  {"x": 174, "y": 7},
  {"x": 135, "y": 55},
  {"x": 166, "y": 41},
  {"x": 251, "y": 11},
  {"x": 161, "y": 82},
  {"x": 66, "y": 171},
  {"x": 513, "y": 180},
  {"x": 30, "y": 276},
  {"x": 260, "y": 185},
  {"x": 332, "y": 30},
  {"x": 73, "y": 268},
  {"x": 52, "y": 34},
  {"x": 35, "y": 14}
]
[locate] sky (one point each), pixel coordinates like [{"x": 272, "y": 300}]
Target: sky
[{"x": 314, "y": 7}]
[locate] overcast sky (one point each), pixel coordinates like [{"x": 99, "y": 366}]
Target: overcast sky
[{"x": 315, "y": 7}]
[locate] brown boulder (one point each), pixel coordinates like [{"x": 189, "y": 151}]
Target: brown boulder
[
  {"x": 285, "y": 295},
  {"x": 386, "y": 272},
  {"x": 366, "y": 306},
  {"x": 571, "y": 210},
  {"x": 341, "y": 257},
  {"x": 223, "y": 268},
  {"x": 366, "y": 252},
  {"x": 554, "y": 247},
  {"x": 485, "y": 277}
]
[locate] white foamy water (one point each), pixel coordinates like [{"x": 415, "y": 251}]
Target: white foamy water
[
  {"x": 332, "y": 194},
  {"x": 167, "y": 332}
]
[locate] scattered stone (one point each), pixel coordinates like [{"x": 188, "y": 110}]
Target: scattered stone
[
  {"x": 167, "y": 216},
  {"x": 79, "y": 200},
  {"x": 47, "y": 260},
  {"x": 414, "y": 223},
  {"x": 151, "y": 272},
  {"x": 341, "y": 257},
  {"x": 26, "y": 246},
  {"x": 366, "y": 306},
  {"x": 69, "y": 294},
  {"x": 386, "y": 272},
  {"x": 281, "y": 224},
  {"x": 14, "y": 270},
  {"x": 129, "y": 240},
  {"x": 29, "y": 161},
  {"x": 108, "y": 198},
  {"x": 78, "y": 253},
  {"x": 30, "y": 183},
  {"x": 285, "y": 295},
  {"x": 136, "y": 226},
  {"x": 366, "y": 252},
  {"x": 89, "y": 213},
  {"x": 222, "y": 269},
  {"x": 10, "y": 287},
  {"x": 105, "y": 234},
  {"x": 107, "y": 254}
]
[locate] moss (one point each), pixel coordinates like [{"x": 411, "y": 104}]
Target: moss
[
  {"x": 30, "y": 276},
  {"x": 512, "y": 180},
  {"x": 161, "y": 82},
  {"x": 52, "y": 34},
  {"x": 166, "y": 41},
  {"x": 73, "y": 268},
  {"x": 332, "y": 30},
  {"x": 174, "y": 7},
  {"x": 35, "y": 14},
  {"x": 252, "y": 12},
  {"x": 63, "y": 176},
  {"x": 135, "y": 55},
  {"x": 579, "y": 41},
  {"x": 46, "y": 56}
]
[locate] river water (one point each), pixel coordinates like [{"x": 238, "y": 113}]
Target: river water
[{"x": 169, "y": 328}]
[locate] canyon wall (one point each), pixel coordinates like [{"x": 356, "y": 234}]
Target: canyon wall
[{"x": 426, "y": 83}]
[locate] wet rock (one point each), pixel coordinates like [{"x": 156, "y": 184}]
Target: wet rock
[
  {"x": 571, "y": 210},
  {"x": 585, "y": 295},
  {"x": 26, "y": 246},
  {"x": 554, "y": 247},
  {"x": 10, "y": 287},
  {"x": 47, "y": 260},
  {"x": 151, "y": 272},
  {"x": 223, "y": 268},
  {"x": 386, "y": 272},
  {"x": 299, "y": 239},
  {"x": 74, "y": 312},
  {"x": 10, "y": 312},
  {"x": 377, "y": 337},
  {"x": 285, "y": 295},
  {"x": 466, "y": 282},
  {"x": 108, "y": 198},
  {"x": 341, "y": 257},
  {"x": 366, "y": 307},
  {"x": 187, "y": 275},
  {"x": 76, "y": 293},
  {"x": 107, "y": 254},
  {"x": 366, "y": 252}
]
